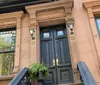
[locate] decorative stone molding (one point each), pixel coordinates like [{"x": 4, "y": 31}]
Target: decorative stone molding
[
  {"x": 67, "y": 3},
  {"x": 70, "y": 19},
  {"x": 90, "y": 12},
  {"x": 8, "y": 20},
  {"x": 47, "y": 12},
  {"x": 93, "y": 6},
  {"x": 91, "y": 3}
]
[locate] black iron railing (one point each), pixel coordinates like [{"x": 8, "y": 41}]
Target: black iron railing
[
  {"x": 85, "y": 75},
  {"x": 21, "y": 78}
]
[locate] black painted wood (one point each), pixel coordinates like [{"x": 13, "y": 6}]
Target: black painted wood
[
  {"x": 86, "y": 76},
  {"x": 21, "y": 78},
  {"x": 56, "y": 55},
  {"x": 18, "y": 5}
]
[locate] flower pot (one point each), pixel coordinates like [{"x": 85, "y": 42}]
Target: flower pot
[
  {"x": 40, "y": 77},
  {"x": 34, "y": 82}
]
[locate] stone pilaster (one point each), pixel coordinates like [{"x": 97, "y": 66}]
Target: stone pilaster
[
  {"x": 34, "y": 43},
  {"x": 18, "y": 45}
]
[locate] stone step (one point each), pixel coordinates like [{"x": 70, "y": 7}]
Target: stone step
[
  {"x": 71, "y": 84},
  {"x": 74, "y": 84}
]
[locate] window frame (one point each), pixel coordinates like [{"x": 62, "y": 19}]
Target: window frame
[{"x": 10, "y": 20}]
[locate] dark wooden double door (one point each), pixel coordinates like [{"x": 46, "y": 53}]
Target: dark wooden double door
[{"x": 55, "y": 54}]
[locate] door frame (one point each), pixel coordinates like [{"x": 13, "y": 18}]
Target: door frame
[
  {"x": 53, "y": 38},
  {"x": 59, "y": 21},
  {"x": 52, "y": 14}
]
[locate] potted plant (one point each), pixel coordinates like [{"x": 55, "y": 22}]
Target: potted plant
[{"x": 38, "y": 72}]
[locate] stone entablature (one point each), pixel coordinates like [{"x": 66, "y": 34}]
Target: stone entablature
[{"x": 47, "y": 11}]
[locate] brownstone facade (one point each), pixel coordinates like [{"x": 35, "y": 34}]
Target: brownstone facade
[{"x": 84, "y": 44}]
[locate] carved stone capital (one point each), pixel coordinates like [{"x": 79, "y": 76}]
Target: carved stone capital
[
  {"x": 33, "y": 15},
  {"x": 67, "y": 10},
  {"x": 90, "y": 12},
  {"x": 33, "y": 25},
  {"x": 69, "y": 19}
]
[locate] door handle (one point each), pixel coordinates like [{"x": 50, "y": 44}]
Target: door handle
[
  {"x": 54, "y": 62},
  {"x": 57, "y": 61}
]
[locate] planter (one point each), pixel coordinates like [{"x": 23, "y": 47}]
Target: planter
[
  {"x": 40, "y": 77},
  {"x": 38, "y": 72},
  {"x": 34, "y": 82}
]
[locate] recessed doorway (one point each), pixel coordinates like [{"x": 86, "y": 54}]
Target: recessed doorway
[{"x": 55, "y": 54}]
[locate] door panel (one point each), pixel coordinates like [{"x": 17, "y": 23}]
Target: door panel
[
  {"x": 51, "y": 79},
  {"x": 65, "y": 74},
  {"x": 47, "y": 53},
  {"x": 56, "y": 55},
  {"x": 62, "y": 51}
]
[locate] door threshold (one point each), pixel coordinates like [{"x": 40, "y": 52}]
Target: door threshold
[{"x": 78, "y": 83}]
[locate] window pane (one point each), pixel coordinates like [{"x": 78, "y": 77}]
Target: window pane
[
  {"x": 6, "y": 63},
  {"x": 60, "y": 33},
  {"x": 7, "y": 48},
  {"x": 46, "y": 35},
  {"x": 7, "y": 40},
  {"x": 98, "y": 23}
]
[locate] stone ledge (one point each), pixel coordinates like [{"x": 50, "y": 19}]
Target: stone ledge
[
  {"x": 6, "y": 77},
  {"x": 77, "y": 83},
  {"x": 51, "y": 5}
]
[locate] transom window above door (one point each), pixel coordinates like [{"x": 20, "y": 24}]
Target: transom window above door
[
  {"x": 7, "y": 50},
  {"x": 60, "y": 33},
  {"x": 46, "y": 35}
]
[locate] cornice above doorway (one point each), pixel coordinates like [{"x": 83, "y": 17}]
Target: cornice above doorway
[
  {"x": 67, "y": 3},
  {"x": 49, "y": 11}
]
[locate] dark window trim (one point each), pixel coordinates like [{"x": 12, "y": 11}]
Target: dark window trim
[
  {"x": 7, "y": 29},
  {"x": 7, "y": 51}
]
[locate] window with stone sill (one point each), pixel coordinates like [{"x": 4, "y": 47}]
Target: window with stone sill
[{"x": 7, "y": 50}]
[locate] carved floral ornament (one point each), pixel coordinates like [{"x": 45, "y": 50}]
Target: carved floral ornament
[
  {"x": 33, "y": 25},
  {"x": 70, "y": 22},
  {"x": 92, "y": 6}
]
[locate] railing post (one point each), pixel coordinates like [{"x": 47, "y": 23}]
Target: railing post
[{"x": 86, "y": 76}]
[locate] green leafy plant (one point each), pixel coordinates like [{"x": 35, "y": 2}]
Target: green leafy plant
[{"x": 35, "y": 69}]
